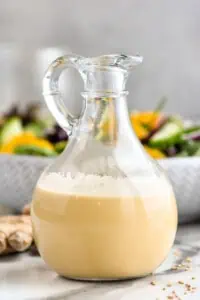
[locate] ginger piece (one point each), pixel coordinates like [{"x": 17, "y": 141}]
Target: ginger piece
[
  {"x": 3, "y": 242},
  {"x": 15, "y": 234},
  {"x": 4, "y": 246},
  {"x": 8, "y": 250},
  {"x": 20, "y": 241},
  {"x": 26, "y": 209}
]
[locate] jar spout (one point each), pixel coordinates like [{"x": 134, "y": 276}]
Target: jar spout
[{"x": 107, "y": 73}]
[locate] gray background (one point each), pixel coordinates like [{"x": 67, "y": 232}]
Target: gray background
[{"x": 166, "y": 33}]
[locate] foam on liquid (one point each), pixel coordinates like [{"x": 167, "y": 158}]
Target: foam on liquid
[{"x": 103, "y": 186}]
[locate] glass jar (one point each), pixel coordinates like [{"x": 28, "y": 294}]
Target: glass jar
[{"x": 104, "y": 210}]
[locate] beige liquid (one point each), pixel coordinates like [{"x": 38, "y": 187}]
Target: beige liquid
[{"x": 90, "y": 235}]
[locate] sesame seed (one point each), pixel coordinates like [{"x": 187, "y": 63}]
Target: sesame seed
[
  {"x": 188, "y": 259},
  {"x": 174, "y": 268},
  {"x": 169, "y": 284}
]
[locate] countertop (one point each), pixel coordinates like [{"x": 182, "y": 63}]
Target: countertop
[{"x": 26, "y": 277}]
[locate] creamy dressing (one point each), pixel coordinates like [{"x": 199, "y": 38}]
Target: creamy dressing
[{"x": 100, "y": 227}]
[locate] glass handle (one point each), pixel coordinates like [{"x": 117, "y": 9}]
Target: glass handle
[{"x": 52, "y": 94}]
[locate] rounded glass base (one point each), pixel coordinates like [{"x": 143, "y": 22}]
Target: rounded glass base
[{"x": 105, "y": 279}]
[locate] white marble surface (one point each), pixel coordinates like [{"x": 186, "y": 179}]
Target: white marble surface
[{"x": 26, "y": 277}]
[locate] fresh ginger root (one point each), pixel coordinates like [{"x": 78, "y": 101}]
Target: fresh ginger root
[
  {"x": 3, "y": 242},
  {"x": 15, "y": 234}
]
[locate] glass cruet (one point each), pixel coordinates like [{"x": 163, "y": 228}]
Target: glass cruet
[{"x": 103, "y": 210}]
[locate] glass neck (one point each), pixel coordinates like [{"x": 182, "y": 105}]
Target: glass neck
[
  {"x": 104, "y": 80},
  {"x": 106, "y": 118}
]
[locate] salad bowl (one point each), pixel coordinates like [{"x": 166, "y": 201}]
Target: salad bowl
[
  {"x": 19, "y": 174},
  {"x": 28, "y": 143}
]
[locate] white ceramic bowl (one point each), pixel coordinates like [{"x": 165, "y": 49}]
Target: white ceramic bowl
[{"x": 19, "y": 174}]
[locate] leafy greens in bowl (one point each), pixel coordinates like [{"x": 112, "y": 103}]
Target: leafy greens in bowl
[{"x": 162, "y": 135}]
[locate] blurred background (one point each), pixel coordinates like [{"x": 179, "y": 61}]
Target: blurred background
[{"x": 165, "y": 33}]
